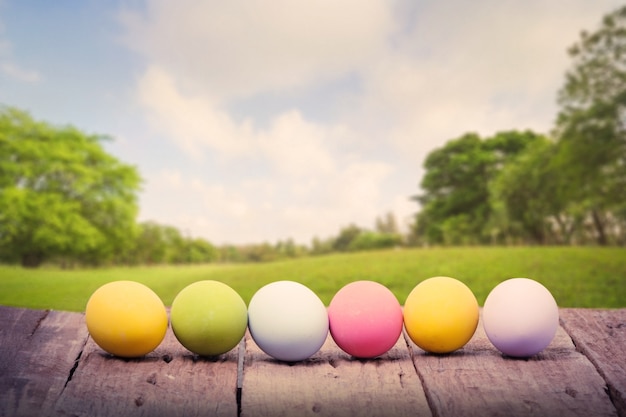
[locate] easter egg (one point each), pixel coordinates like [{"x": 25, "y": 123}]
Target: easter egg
[
  {"x": 208, "y": 318},
  {"x": 126, "y": 318},
  {"x": 365, "y": 319},
  {"x": 441, "y": 314},
  {"x": 287, "y": 321},
  {"x": 520, "y": 317}
]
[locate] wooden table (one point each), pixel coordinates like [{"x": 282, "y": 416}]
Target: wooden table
[{"x": 50, "y": 366}]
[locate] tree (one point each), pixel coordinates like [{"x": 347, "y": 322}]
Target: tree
[
  {"x": 321, "y": 246},
  {"x": 456, "y": 206},
  {"x": 290, "y": 249},
  {"x": 454, "y": 184},
  {"x": 387, "y": 224},
  {"x": 149, "y": 246},
  {"x": 591, "y": 125},
  {"x": 61, "y": 194},
  {"x": 368, "y": 240},
  {"x": 346, "y": 236},
  {"x": 527, "y": 197},
  {"x": 200, "y": 251}
]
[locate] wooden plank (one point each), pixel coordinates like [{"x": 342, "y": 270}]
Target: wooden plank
[
  {"x": 170, "y": 381},
  {"x": 479, "y": 381},
  {"x": 38, "y": 350},
  {"x": 16, "y": 327},
  {"x": 332, "y": 383},
  {"x": 601, "y": 336}
]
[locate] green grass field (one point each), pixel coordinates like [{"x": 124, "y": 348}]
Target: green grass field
[{"x": 576, "y": 276}]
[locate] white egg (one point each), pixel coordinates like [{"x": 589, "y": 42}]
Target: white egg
[
  {"x": 520, "y": 317},
  {"x": 287, "y": 321}
]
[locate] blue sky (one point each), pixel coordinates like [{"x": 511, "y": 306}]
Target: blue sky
[{"x": 256, "y": 121}]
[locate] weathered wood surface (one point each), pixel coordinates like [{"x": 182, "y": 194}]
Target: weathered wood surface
[
  {"x": 49, "y": 366},
  {"x": 38, "y": 352},
  {"x": 332, "y": 383},
  {"x": 601, "y": 336},
  {"x": 478, "y": 381},
  {"x": 169, "y": 381}
]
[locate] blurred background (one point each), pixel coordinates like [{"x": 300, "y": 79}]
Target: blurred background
[{"x": 149, "y": 132}]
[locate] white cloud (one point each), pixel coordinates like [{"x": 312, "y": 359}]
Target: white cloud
[
  {"x": 238, "y": 48},
  {"x": 194, "y": 121},
  {"x": 268, "y": 208},
  {"x": 421, "y": 80},
  {"x": 10, "y": 67},
  {"x": 474, "y": 66},
  {"x": 171, "y": 178},
  {"x": 297, "y": 147},
  {"x": 292, "y": 145},
  {"x": 18, "y": 73},
  {"x": 308, "y": 189}
]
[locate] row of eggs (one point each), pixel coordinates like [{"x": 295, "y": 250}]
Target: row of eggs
[{"x": 289, "y": 322}]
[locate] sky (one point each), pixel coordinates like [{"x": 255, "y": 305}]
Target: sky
[{"x": 258, "y": 121}]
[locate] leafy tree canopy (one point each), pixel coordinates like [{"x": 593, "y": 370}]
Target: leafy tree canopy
[
  {"x": 455, "y": 202},
  {"x": 61, "y": 194},
  {"x": 591, "y": 125}
]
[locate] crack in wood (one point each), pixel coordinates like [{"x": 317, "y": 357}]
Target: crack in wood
[
  {"x": 74, "y": 366},
  {"x": 72, "y": 370},
  {"x": 599, "y": 335},
  {"x": 38, "y": 323},
  {"x": 611, "y": 391},
  {"x": 241, "y": 354},
  {"x": 430, "y": 400}
]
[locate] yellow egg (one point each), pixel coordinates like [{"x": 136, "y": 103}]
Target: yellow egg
[
  {"x": 126, "y": 318},
  {"x": 441, "y": 314}
]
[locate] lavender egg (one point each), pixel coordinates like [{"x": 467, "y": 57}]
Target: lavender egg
[{"x": 520, "y": 317}]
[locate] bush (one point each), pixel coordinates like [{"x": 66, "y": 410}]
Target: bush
[{"x": 372, "y": 240}]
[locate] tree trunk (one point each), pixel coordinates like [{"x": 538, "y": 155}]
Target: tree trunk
[
  {"x": 597, "y": 222},
  {"x": 32, "y": 259},
  {"x": 565, "y": 229}
]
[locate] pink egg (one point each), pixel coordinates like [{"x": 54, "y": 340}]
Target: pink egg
[{"x": 365, "y": 319}]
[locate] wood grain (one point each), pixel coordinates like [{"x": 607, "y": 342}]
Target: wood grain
[
  {"x": 170, "y": 381},
  {"x": 332, "y": 383},
  {"x": 479, "y": 381},
  {"x": 39, "y": 350},
  {"x": 601, "y": 336},
  {"x": 49, "y": 366}
]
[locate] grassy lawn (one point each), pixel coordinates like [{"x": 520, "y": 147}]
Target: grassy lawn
[{"x": 577, "y": 277}]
